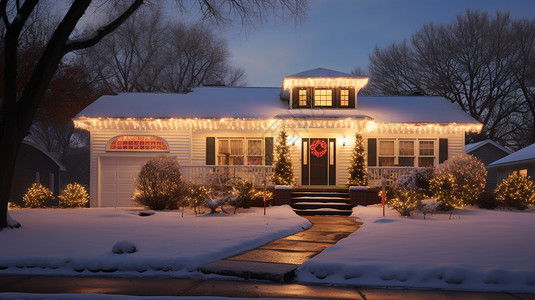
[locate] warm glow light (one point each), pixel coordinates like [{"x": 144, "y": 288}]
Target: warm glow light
[
  {"x": 364, "y": 125},
  {"x": 288, "y": 82}
]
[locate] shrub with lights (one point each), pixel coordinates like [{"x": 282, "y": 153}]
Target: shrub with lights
[
  {"x": 73, "y": 195},
  {"x": 404, "y": 201},
  {"x": 516, "y": 191},
  {"x": 469, "y": 176},
  {"x": 37, "y": 196},
  {"x": 283, "y": 170},
  {"x": 445, "y": 190},
  {"x": 249, "y": 196},
  {"x": 159, "y": 184},
  {"x": 358, "y": 175},
  {"x": 417, "y": 179},
  {"x": 195, "y": 197}
]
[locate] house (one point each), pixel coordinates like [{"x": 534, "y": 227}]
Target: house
[
  {"x": 488, "y": 151},
  {"x": 34, "y": 164},
  {"x": 226, "y": 131},
  {"x": 521, "y": 162}
]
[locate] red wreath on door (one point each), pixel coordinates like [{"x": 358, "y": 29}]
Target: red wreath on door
[{"x": 318, "y": 148}]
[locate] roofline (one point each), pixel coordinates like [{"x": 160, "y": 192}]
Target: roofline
[
  {"x": 511, "y": 163},
  {"x": 483, "y": 143},
  {"x": 61, "y": 167}
]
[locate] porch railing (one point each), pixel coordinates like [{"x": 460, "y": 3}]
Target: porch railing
[
  {"x": 390, "y": 174},
  {"x": 227, "y": 174}
]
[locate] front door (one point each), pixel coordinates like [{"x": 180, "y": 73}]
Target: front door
[{"x": 318, "y": 161}]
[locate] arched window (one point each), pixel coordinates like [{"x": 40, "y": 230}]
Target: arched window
[{"x": 137, "y": 143}]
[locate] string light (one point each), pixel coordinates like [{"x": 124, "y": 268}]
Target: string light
[
  {"x": 361, "y": 125},
  {"x": 289, "y": 82}
]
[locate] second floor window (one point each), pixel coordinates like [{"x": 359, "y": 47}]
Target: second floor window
[
  {"x": 344, "y": 97},
  {"x": 302, "y": 97},
  {"x": 323, "y": 97}
]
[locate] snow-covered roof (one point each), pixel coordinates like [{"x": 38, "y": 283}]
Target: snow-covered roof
[
  {"x": 322, "y": 72},
  {"x": 46, "y": 153},
  {"x": 262, "y": 103},
  {"x": 521, "y": 156},
  {"x": 474, "y": 146}
]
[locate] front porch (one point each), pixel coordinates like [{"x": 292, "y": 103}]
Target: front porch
[{"x": 260, "y": 174}]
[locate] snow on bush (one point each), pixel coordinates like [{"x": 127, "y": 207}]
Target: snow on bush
[
  {"x": 416, "y": 179},
  {"x": 37, "y": 196},
  {"x": 73, "y": 195},
  {"x": 516, "y": 191},
  {"x": 123, "y": 247},
  {"x": 464, "y": 178},
  {"x": 159, "y": 183}
]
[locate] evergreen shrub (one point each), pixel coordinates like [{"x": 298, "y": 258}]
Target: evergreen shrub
[
  {"x": 282, "y": 168},
  {"x": 358, "y": 175},
  {"x": 404, "y": 201},
  {"x": 516, "y": 191},
  {"x": 37, "y": 196},
  {"x": 159, "y": 184},
  {"x": 487, "y": 200},
  {"x": 73, "y": 195}
]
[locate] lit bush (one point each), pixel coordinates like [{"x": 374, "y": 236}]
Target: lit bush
[
  {"x": 404, "y": 201},
  {"x": 196, "y": 197},
  {"x": 516, "y": 191},
  {"x": 159, "y": 184},
  {"x": 73, "y": 195},
  {"x": 469, "y": 174},
  {"x": 417, "y": 179},
  {"x": 248, "y": 196},
  {"x": 37, "y": 196},
  {"x": 445, "y": 191}
]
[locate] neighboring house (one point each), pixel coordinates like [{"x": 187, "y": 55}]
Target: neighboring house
[
  {"x": 521, "y": 162},
  {"x": 231, "y": 132},
  {"x": 488, "y": 151},
  {"x": 34, "y": 164}
]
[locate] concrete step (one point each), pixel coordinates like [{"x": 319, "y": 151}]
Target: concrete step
[
  {"x": 321, "y": 200},
  {"x": 319, "y": 205},
  {"x": 323, "y": 212},
  {"x": 251, "y": 270},
  {"x": 320, "y": 194}
]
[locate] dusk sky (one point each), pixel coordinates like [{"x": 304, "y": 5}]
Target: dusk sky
[{"x": 341, "y": 34}]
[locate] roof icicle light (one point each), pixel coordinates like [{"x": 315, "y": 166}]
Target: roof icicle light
[
  {"x": 364, "y": 125},
  {"x": 289, "y": 82}
]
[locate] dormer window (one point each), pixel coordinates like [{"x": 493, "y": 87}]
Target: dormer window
[
  {"x": 302, "y": 97},
  {"x": 323, "y": 97},
  {"x": 344, "y": 97}
]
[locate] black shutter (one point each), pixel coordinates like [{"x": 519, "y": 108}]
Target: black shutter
[
  {"x": 336, "y": 97},
  {"x": 210, "y": 151},
  {"x": 442, "y": 150},
  {"x": 372, "y": 152},
  {"x": 268, "y": 150},
  {"x": 295, "y": 98},
  {"x": 352, "y": 98},
  {"x": 310, "y": 97}
]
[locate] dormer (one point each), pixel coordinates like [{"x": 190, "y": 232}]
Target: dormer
[{"x": 322, "y": 88}]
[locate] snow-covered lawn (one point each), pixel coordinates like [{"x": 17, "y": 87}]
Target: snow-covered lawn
[
  {"x": 474, "y": 250},
  {"x": 73, "y": 241}
]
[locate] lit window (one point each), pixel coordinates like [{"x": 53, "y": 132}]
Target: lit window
[
  {"x": 386, "y": 153},
  {"x": 344, "y": 98},
  {"x": 138, "y": 143},
  {"x": 406, "y": 153},
  {"x": 302, "y": 97},
  {"x": 239, "y": 151},
  {"x": 523, "y": 172},
  {"x": 427, "y": 154},
  {"x": 323, "y": 97}
]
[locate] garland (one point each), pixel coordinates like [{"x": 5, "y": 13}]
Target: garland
[{"x": 318, "y": 148}]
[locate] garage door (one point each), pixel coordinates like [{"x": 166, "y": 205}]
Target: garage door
[{"x": 117, "y": 179}]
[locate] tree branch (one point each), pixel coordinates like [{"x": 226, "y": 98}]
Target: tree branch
[{"x": 103, "y": 31}]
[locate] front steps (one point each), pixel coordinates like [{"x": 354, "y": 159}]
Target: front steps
[{"x": 316, "y": 202}]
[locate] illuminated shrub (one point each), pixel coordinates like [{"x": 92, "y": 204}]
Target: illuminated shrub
[
  {"x": 417, "y": 179},
  {"x": 196, "y": 196},
  {"x": 516, "y": 191},
  {"x": 73, "y": 195},
  {"x": 159, "y": 184},
  {"x": 445, "y": 191},
  {"x": 37, "y": 196},
  {"x": 469, "y": 176},
  {"x": 404, "y": 201}
]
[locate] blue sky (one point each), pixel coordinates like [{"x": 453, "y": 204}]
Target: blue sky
[{"x": 341, "y": 34}]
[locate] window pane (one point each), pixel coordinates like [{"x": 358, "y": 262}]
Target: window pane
[
  {"x": 344, "y": 97},
  {"x": 426, "y": 161},
  {"x": 302, "y": 97},
  {"x": 386, "y": 148},
  {"x": 223, "y": 147},
  {"x": 236, "y": 160},
  {"x": 523, "y": 172},
  {"x": 323, "y": 97},
  {"x": 254, "y": 147},
  {"x": 254, "y": 160},
  {"x": 406, "y": 161},
  {"x": 138, "y": 143},
  {"x": 386, "y": 161},
  {"x": 236, "y": 147},
  {"x": 406, "y": 147},
  {"x": 427, "y": 148}
]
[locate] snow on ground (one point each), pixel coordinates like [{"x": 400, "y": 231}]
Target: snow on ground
[
  {"x": 474, "y": 250},
  {"x": 69, "y": 241}
]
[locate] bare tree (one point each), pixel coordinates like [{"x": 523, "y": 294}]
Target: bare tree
[
  {"x": 468, "y": 62},
  {"x": 20, "y": 99}
]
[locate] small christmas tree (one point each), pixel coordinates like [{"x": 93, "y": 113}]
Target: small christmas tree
[
  {"x": 283, "y": 171},
  {"x": 357, "y": 170}
]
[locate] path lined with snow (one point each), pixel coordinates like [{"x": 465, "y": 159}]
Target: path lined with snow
[
  {"x": 67, "y": 241},
  {"x": 475, "y": 250}
]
